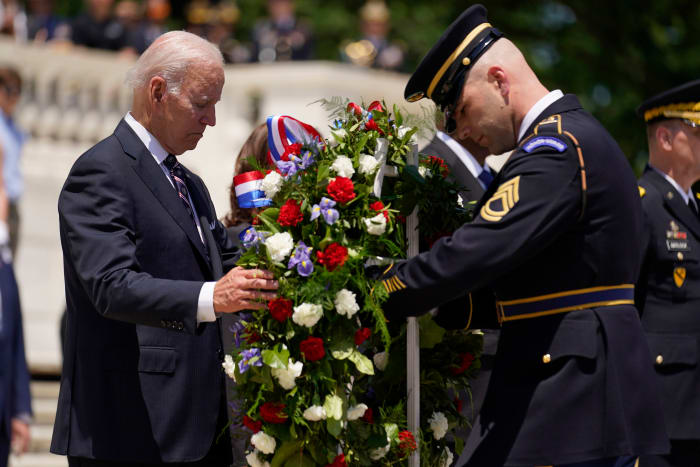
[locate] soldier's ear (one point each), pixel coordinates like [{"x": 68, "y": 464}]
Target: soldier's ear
[
  {"x": 498, "y": 77},
  {"x": 664, "y": 137}
]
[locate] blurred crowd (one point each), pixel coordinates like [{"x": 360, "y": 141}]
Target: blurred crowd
[{"x": 130, "y": 26}]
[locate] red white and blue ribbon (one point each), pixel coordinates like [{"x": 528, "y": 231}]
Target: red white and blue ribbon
[
  {"x": 283, "y": 131},
  {"x": 248, "y": 190}
]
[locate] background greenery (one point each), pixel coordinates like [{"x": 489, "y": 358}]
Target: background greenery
[{"x": 613, "y": 54}]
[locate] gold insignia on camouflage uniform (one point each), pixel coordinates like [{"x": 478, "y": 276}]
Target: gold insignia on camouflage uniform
[
  {"x": 502, "y": 201},
  {"x": 679, "y": 276}
]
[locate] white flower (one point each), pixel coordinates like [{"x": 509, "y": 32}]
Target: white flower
[
  {"x": 376, "y": 225},
  {"x": 286, "y": 376},
  {"x": 368, "y": 164},
  {"x": 254, "y": 460},
  {"x": 460, "y": 201},
  {"x": 356, "y": 411},
  {"x": 264, "y": 442},
  {"x": 424, "y": 172},
  {"x": 338, "y": 136},
  {"x": 307, "y": 314},
  {"x": 271, "y": 184},
  {"x": 402, "y": 132},
  {"x": 229, "y": 367},
  {"x": 446, "y": 458},
  {"x": 345, "y": 303},
  {"x": 315, "y": 413},
  {"x": 376, "y": 454},
  {"x": 381, "y": 360},
  {"x": 279, "y": 245},
  {"x": 342, "y": 165},
  {"x": 438, "y": 423}
]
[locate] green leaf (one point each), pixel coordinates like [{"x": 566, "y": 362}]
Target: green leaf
[
  {"x": 299, "y": 460},
  {"x": 333, "y": 406},
  {"x": 342, "y": 350},
  {"x": 334, "y": 426},
  {"x": 430, "y": 333},
  {"x": 362, "y": 363},
  {"x": 276, "y": 359},
  {"x": 392, "y": 431},
  {"x": 284, "y": 452},
  {"x": 269, "y": 218}
]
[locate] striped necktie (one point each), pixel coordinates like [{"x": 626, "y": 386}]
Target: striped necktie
[
  {"x": 486, "y": 177},
  {"x": 177, "y": 173}
]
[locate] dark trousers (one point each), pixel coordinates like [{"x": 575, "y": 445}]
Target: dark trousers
[
  {"x": 4, "y": 450},
  {"x": 684, "y": 453},
  {"x": 624, "y": 461}
]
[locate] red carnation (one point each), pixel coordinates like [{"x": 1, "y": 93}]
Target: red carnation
[
  {"x": 458, "y": 404},
  {"x": 444, "y": 168},
  {"x": 407, "y": 443},
  {"x": 252, "y": 425},
  {"x": 290, "y": 214},
  {"x": 464, "y": 364},
  {"x": 362, "y": 335},
  {"x": 312, "y": 348},
  {"x": 354, "y": 108},
  {"x": 251, "y": 337},
  {"x": 291, "y": 149},
  {"x": 376, "y": 105},
  {"x": 378, "y": 206},
  {"x": 333, "y": 256},
  {"x": 372, "y": 125},
  {"x": 368, "y": 416},
  {"x": 339, "y": 461},
  {"x": 341, "y": 189},
  {"x": 273, "y": 412},
  {"x": 280, "y": 309}
]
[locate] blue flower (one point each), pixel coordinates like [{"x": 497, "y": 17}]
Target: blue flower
[
  {"x": 288, "y": 168},
  {"x": 238, "y": 327},
  {"x": 250, "y": 357},
  {"x": 325, "y": 207},
  {"x": 252, "y": 238},
  {"x": 301, "y": 259}
]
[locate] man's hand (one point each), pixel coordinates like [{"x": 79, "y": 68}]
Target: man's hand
[
  {"x": 20, "y": 436},
  {"x": 244, "y": 289}
]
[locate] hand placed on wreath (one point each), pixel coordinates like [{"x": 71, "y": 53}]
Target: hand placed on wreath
[{"x": 244, "y": 289}]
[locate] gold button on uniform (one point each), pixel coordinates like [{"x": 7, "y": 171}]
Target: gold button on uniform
[
  {"x": 680, "y": 256},
  {"x": 659, "y": 359},
  {"x": 669, "y": 195},
  {"x": 546, "y": 358}
]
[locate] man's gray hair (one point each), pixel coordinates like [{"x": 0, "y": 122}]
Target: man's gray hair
[{"x": 169, "y": 57}]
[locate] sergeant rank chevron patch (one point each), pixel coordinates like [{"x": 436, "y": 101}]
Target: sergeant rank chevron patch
[{"x": 502, "y": 201}]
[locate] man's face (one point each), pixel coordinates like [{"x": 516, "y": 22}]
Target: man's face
[
  {"x": 481, "y": 115},
  {"x": 686, "y": 143},
  {"x": 184, "y": 116}
]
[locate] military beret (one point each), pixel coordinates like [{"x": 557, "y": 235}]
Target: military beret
[
  {"x": 440, "y": 74},
  {"x": 680, "y": 102}
]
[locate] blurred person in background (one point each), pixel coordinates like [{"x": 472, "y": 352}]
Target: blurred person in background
[
  {"x": 157, "y": 13},
  {"x": 130, "y": 14},
  {"x": 43, "y": 24},
  {"x": 98, "y": 28},
  {"x": 282, "y": 36},
  {"x": 374, "y": 48},
  {"x": 11, "y": 141},
  {"x": 13, "y": 20},
  {"x": 221, "y": 30}
]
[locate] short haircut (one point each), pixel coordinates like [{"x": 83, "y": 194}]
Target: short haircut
[{"x": 10, "y": 78}]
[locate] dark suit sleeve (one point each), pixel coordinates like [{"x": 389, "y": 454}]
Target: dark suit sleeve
[
  {"x": 99, "y": 237},
  {"x": 21, "y": 399},
  {"x": 538, "y": 197},
  {"x": 640, "y": 288}
]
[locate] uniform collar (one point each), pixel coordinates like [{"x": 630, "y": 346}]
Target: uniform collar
[
  {"x": 148, "y": 140},
  {"x": 686, "y": 196},
  {"x": 537, "y": 109}
]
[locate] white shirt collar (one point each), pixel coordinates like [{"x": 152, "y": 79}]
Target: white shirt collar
[
  {"x": 537, "y": 109},
  {"x": 686, "y": 196},
  {"x": 148, "y": 140},
  {"x": 464, "y": 156}
]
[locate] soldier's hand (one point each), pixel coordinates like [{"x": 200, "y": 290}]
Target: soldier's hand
[{"x": 244, "y": 289}]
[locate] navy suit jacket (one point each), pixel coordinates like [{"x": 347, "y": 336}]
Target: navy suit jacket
[
  {"x": 14, "y": 377},
  {"x": 141, "y": 382}
]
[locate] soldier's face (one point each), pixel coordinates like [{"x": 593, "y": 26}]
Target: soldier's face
[
  {"x": 482, "y": 116},
  {"x": 687, "y": 143}
]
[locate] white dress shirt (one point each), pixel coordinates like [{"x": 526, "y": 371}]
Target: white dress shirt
[
  {"x": 537, "y": 109},
  {"x": 465, "y": 157},
  {"x": 687, "y": 196},
  {"x": 205, "y": 303}
]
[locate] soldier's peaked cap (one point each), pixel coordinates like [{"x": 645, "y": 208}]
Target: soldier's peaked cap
[
  {"x": 440, "y": 73},
  {"x": 680, "y": 102}
]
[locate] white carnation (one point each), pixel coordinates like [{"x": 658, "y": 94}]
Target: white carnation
[
  {"x": 279, "y": 245},
  {"x": 381, "y": 360},
  {"x": 424, "y": 172},
  {"x": 229, "y": 367},
  {"x": 345, "y": 303},
  {"x": 338, "y": 136},
  {"x": 271, "y": 184},
  {"x": 402, "y": 132},
  {"x": 254, "y": 460},
  {"x": 376, "y": 454},
  {"x": 446, "y": 458},
  {"x": 438, "y": 423},
  {"x": 264, "y": 442},
  {"x": 356, "y": 411},
  {"x": 286, "y": 376},
  {"x": 307, "y": 314},
  {"x": 376, "y": 225},
  {"x": 368, "y": 164},
  {"x": 342, "y": 165},
  {"x": 315, "y": 413}
]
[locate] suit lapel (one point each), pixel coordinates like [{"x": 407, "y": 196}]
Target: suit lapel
[
  {"x": 153, "y": 177},
  {"x": 673, "y": 201},
  {"x": 207, "y": 219}
]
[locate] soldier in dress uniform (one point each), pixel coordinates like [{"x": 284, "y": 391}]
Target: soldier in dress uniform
[
  {"x": 668, "y": 290},
  {"x": 557, "y": 239}
]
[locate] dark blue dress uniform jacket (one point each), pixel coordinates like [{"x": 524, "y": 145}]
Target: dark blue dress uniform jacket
[
  {"x": 14, "y": 377},
  {"x": 566, "y": 387},
  {"x": 668, "y": 298},
  {"x": 141, "y": 381}
]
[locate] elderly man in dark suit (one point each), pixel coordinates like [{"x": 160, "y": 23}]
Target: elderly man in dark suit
[
  {"x": 144, "y": 255},
  {"x": 15, "y": 401}
]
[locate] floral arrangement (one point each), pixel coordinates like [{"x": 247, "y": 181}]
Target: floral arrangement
[{"x": 313, "y": 369}]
